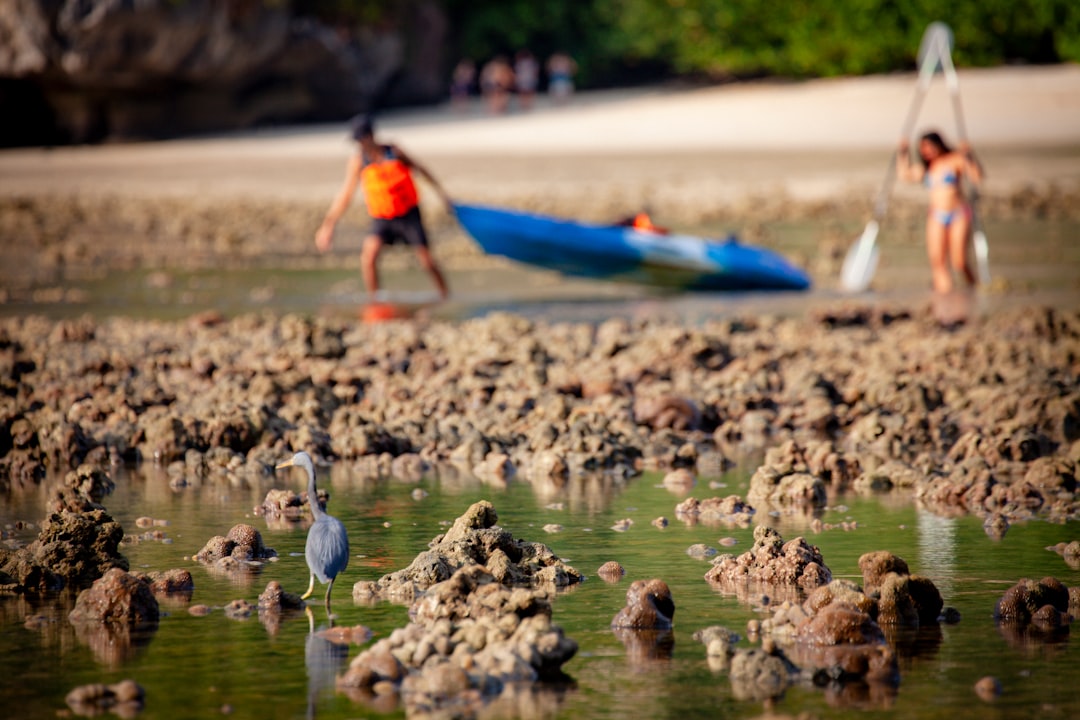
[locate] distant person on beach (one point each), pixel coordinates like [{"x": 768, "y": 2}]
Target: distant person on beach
[
  {"x": 526, "y": 78},
  {"x": 496, "y": 84},
  {"x": 461, "y": 83},
  {"x": 561, "y": 69},
  {"x": 948, "y": 223},
  {"x": 384, "y": 173}
]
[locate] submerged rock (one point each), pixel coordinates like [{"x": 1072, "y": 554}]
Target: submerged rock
[
  {"x": 877, "y": 565},
  {"x": 988, "y": 688},
  {"x": 611, "y": 571},
  {"x": 238, "y": 609},
  {"x": 909, "y": 600},
  {"x": 1070, "y": 552},
  {"x": 760, "y": 673},
  {"x": 719, "y": 645}
]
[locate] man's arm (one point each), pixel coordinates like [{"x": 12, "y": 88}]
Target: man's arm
[{"x": 324, "y": 236}]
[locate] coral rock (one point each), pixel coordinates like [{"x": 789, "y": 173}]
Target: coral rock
[{"x": 649, "y": 605}]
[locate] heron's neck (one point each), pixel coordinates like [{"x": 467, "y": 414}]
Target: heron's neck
[{"x": 313, "y": 499}]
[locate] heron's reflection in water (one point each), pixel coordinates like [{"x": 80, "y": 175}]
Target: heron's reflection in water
[{"x": 323, "y": 660}]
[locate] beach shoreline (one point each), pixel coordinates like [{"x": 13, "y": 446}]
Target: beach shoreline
[{"x": 736, "y": 156}]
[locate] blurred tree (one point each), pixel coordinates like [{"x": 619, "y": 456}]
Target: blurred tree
[
  {"x": 623, "y": 40},
  {"x": 361, "y": 12},
  {"x": 481, "y": 29},
  {"x": 809, "y": 37}
]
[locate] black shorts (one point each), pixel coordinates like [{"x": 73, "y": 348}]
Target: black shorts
[{"x": 407, "y": 229}]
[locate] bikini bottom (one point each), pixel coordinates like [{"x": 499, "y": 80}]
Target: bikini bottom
[{"x": 946, "y": 217}]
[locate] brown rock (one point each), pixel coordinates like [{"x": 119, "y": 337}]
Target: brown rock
[
  {"x": 118, "y": 598},
  {"x": 1023, "y": 600},
  {"x": 757, "y": 674},
  {"x": 667, "y": 411},
  {"x": 170, "y": 582},
  {"x": 611, "y": 571},
  {"x": 242, "y": 543},
  {"x": 794, "y": 564},
  {"x": 649, "y": 605},
  {"x": 479, "y": 516},
  {"x": 840, "y": 623},
  {"x": 78, "y": 547},
  {"x": 876, "y": 565},
  {"x": 238, "y": 609},
  {"x": 275, "y": 599}
]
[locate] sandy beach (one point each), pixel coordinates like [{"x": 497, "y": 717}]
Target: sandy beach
[{"x": 810, "y": 139}]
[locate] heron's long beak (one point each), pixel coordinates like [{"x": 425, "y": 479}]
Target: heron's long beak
[{"x": 287, "y": 463}]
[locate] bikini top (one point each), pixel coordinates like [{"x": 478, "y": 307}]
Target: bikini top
[{"x": 947, "y": 178}]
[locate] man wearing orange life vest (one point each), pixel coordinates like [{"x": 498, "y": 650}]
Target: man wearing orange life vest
[{"x": 384, "y": 173}]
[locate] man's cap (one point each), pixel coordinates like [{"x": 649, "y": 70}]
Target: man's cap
[{"x": 362, "y": 126}]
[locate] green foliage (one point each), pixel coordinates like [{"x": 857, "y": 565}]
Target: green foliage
[
  {"x": 841, "y": 37},
  {"x": 615, "y": 40},
  {"x": 361, "y": 12},
  {"x": 480, "y": 29}
]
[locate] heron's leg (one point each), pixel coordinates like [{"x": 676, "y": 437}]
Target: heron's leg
[
  {"x": 328, "y": 589},
  {"x": 310, "y": 588}
]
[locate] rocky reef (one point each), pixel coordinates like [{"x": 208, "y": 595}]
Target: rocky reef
[
  {"x": 781, "y": 568},
  {"x": 474, "y": 539},
  {"x": 476, "y": 632},
  {"x": 840, "y": 636},
  {"x": 503, "y": 396},
  {"x": 77, "y": 543}
]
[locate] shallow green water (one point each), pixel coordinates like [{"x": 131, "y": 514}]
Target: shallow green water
[
  {"x": 1031, "y": 262},
  {"x": 195, "y": 666}
]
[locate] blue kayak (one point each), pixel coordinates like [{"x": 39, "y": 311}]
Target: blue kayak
[{"x": 613, "y": 252}]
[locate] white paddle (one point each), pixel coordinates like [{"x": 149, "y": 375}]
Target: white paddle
[
  {"x": 860, "y": 264},
  {"x": 982, "y": 247}
]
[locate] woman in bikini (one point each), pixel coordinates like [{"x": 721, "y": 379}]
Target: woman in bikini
[{"x": 948, "y": 224}]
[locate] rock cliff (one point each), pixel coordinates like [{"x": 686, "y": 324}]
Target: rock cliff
[{"x": 88, "y": 70}]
